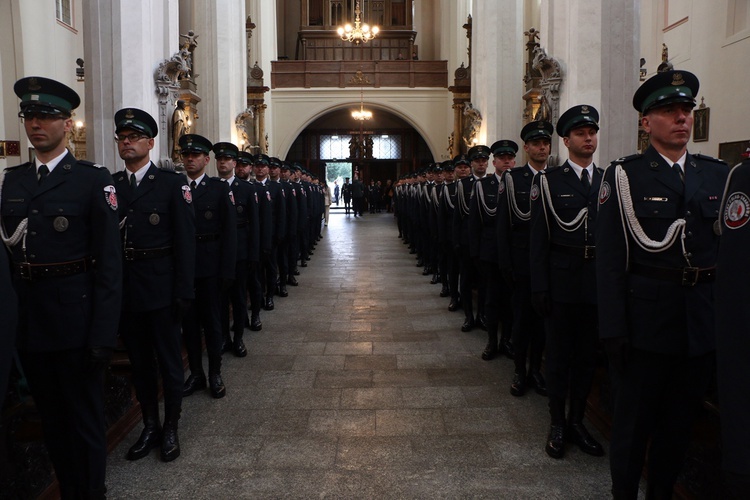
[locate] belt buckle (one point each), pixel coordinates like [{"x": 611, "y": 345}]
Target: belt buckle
[
  {"x": 589, "y": 252},
  {"x": 129, "y": 254},
  {"x": 25, "y": 269},
  {"x": 690, "y": 276}
]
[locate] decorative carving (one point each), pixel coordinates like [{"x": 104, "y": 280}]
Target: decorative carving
[
  {"x": 245, "y": 123},
  {"x": 256, "y": 72},
  {"x": 550, "y": 82},
  {"x": 180, "y": 126},
  {"x": 461, "y": 73},
  {"x": 359, "y": 78},
  {"x": 450, "y": 145},
  {"x": 472, "y": 123},
  {"x": 355, "y": 148},
  {"x": 665, "y": 64},
  {"x": 467, "y": 27}
]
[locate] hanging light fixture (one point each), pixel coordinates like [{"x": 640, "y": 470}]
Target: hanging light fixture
[
  {"x": 360, "y": 32},
  {"x": 362, "y": 114}
]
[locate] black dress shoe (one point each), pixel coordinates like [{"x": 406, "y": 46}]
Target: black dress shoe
[
  {"x": 170, "y": 444},
  {"x": 420, "y": 263},
  {"x": 193, "y": 383},
  {"x": 226, "y": 344},
  {"x": 506, "y": 347},
  {"x": 555, "y": 441},
  {"x": 454, "y": 305},
  {"x": 536, "y": 380},
  {"x": 490, "y": 352},
  {"x": 480, "y": 323},
  {"x": 577, "y": 433},
  {"x": 239, "y": 348},
  {"x": 255, "y": 323},
  {"x": 282, "y": 291},
  {"x": 217, "y": 386},
  {"x": 445, "y": 291},
  {"x": 435, "y": 279},
  {"x": 150, "y": 438},
  {"x": 295, "y": 272},
  {"x": 268, "y": 305},
  {"x": 518, "y": 386},
  {"x": 468, "y": 325},
  {"x": 292, "y": 281},
  {"x": 303, "y": 264}
]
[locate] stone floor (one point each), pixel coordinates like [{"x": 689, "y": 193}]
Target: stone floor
[{"x": 361, "y": 385}]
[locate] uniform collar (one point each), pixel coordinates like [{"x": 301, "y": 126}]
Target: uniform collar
[{"x": 52, "y": 163}]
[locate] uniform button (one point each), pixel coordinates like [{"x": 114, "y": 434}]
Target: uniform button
[
  {"x": 130, "y": 225},
  {"x": 59, "y": 210},
  {"x": 33, "y": 233},
  {"x": 688, "y": 213},
  {"x": 689, "y": 234},
  {"x": 130, "y": 210},
  {"x": 32, "y": 256},
  {"x": 689, "y": 255},
  {"x": 34, "y": 212}
]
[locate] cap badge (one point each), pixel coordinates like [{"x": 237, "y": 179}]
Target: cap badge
[
  {"x": 585, "y": 110},
  {"x": 129, "y": 114},
  {"x": 540, "y": 126},
  {"x": 677, "y": 79},
  {"x": 34, "y": 84}
]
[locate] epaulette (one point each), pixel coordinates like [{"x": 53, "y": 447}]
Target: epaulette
[
  {"x": 168, "y": 171},
  {"x": 14, "y": 167},
  {"x": 550, "y": 170},
  {"x": 626, "y": 159},
  {"x": 90, "y": 164},
  {"x": 709, "y": 158}
]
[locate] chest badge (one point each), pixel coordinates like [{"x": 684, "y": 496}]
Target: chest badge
[
  {"x": 604, "y": 193},
  {"x": 187, "y": 195},
  {"x": 534, "y": 192},
  {"x": 154, "y": 219},
  {"x": 737, "y": 210},
  {"x": 60, "y": 224},
  {"x": 110, "y": 195},
  {"x": 209, "y": 215}
]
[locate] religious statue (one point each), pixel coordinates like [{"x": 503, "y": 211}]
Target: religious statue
[
  {"x": 354, "y": 147},
  {"x": 544, "y": 113},
  {"x": 368, "y": 147},
  {"x": 472, "y": 122},
  {"x": 180, "y": 127},
  {"x": 186, "y": 52},
  {"x": 245, "y": 123}
]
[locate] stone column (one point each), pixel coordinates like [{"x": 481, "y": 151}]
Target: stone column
[
  {"x": 219, "y": 66},
  {"x": 265, "y": 50},
  {"x": 597, "y": 45},
  {"x": 497, "y": 68},
  {"x": 138, "y": 35}
]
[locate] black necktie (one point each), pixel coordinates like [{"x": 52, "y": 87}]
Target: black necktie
[
  {"x": 43, "y": 173},
  {"x": 585, "y": 180},
  {"x": 676, "y": 168},
  {"x": 133, "y": 183},
  {"x": 192, "y": 185}
]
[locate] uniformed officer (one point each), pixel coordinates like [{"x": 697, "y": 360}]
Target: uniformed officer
[
  {"x": 483, "y": 244},
  {"x": 656, "y": 256},
  {"x": 563, "y": 279},
  {"x": 216, "y": 259},
  {"x": 285, "y": 241},
  {"x": 243, "y": 170},
  {"x": 732, "y": 339},
  {"x": 513, "y": 218},
  {"x": 248, "y": 247},
  {"x": 295, "y": 222},
  {"x": 269, "y": 272},
  {"x": 449, "y": 262},
  {"x": 155, "y": 207},
  {"x": 346, "y": 193},
  {"x": 9, "y": 313},
  {"x": 59, "y": 220}
]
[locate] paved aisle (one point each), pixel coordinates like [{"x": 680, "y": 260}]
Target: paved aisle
[{"x": 362, "y": 386}]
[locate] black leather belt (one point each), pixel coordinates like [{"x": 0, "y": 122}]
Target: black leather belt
[
  {"x": 146, "y": 253},
  {"x": 30, "y": 271},
  {"x": 685, "y": 276},
  {"x": 207, "y": 237},
  {"x": 585, "y": 251}
]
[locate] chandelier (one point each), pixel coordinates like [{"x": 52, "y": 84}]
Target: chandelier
[
  {"x": 363, "y": 114},
  {"x": 360, "y": 32}
]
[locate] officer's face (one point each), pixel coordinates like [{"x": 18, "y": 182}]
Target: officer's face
[
  {"x": 225, "y": 166},
  {"x": 462, "y": 170},
  {"x": 286, "y": 175},
  {"x": 538, "y": 150},
  {"x": 134, "y": 149},
  {"x": 582, "y": 141},
  {"x": 274, "y": 173},
  {"x": 503, "y": 162},
  {"x": 479, "y": 166},
  {"x": 195, "y": 163},
  {"x": 261, "y": 171},
  {"x": 46, "y": 132},
  {"x": 242, "y": 171},
  {"x": 449, "y": 176},
  {"x": 669, "y": 126}
]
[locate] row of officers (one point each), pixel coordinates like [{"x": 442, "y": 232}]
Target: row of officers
[
  {"x": 567, "y": 258},
  {"x": 148, "y": 254}
]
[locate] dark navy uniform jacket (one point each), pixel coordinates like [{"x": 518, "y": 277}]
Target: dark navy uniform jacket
[
  {"x": 733, "y": 320},
  {"x": 215, "y": 229},
  {"x": 301, "y": 195},
  {"x": 445, "y": 213},
  {"x": 290, "y": 197},
  {"x": 71, "y": 216},
  {"x": 482, "y": 225},
  {"x": 567, "y": 275},
  {"x": 248, "y": 221},
  {"x": 159, "y": 215},
  {"x": 460, "y": 217},
  {"x": 658, "y": 315},
  {"x": 278, "y": 211},
  {"x": 513, "y": 224}
]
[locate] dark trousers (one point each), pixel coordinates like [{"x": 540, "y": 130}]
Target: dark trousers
[
  {"x": 572, "y": 339},
  {"x": 497, "y": 305},
  {"x": 656, "y": 397},
  {"x": 204, "y": 313},
  {"x": 269, "y": 272},
  {"x": 282, "y": 260},
  {"x": 254, "y": 288},
  {"x": 358, "y": 204},
  {"x": 528, "y": 332},
  {"x": 469, "y": 279},
  {"x": 236, "y": 296},
  {"x": 153, "y": 337},
  {"x": 292, "y": 254},
  {"x": 347, "y": 205},
  {"x": 70, "y": 401}
]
